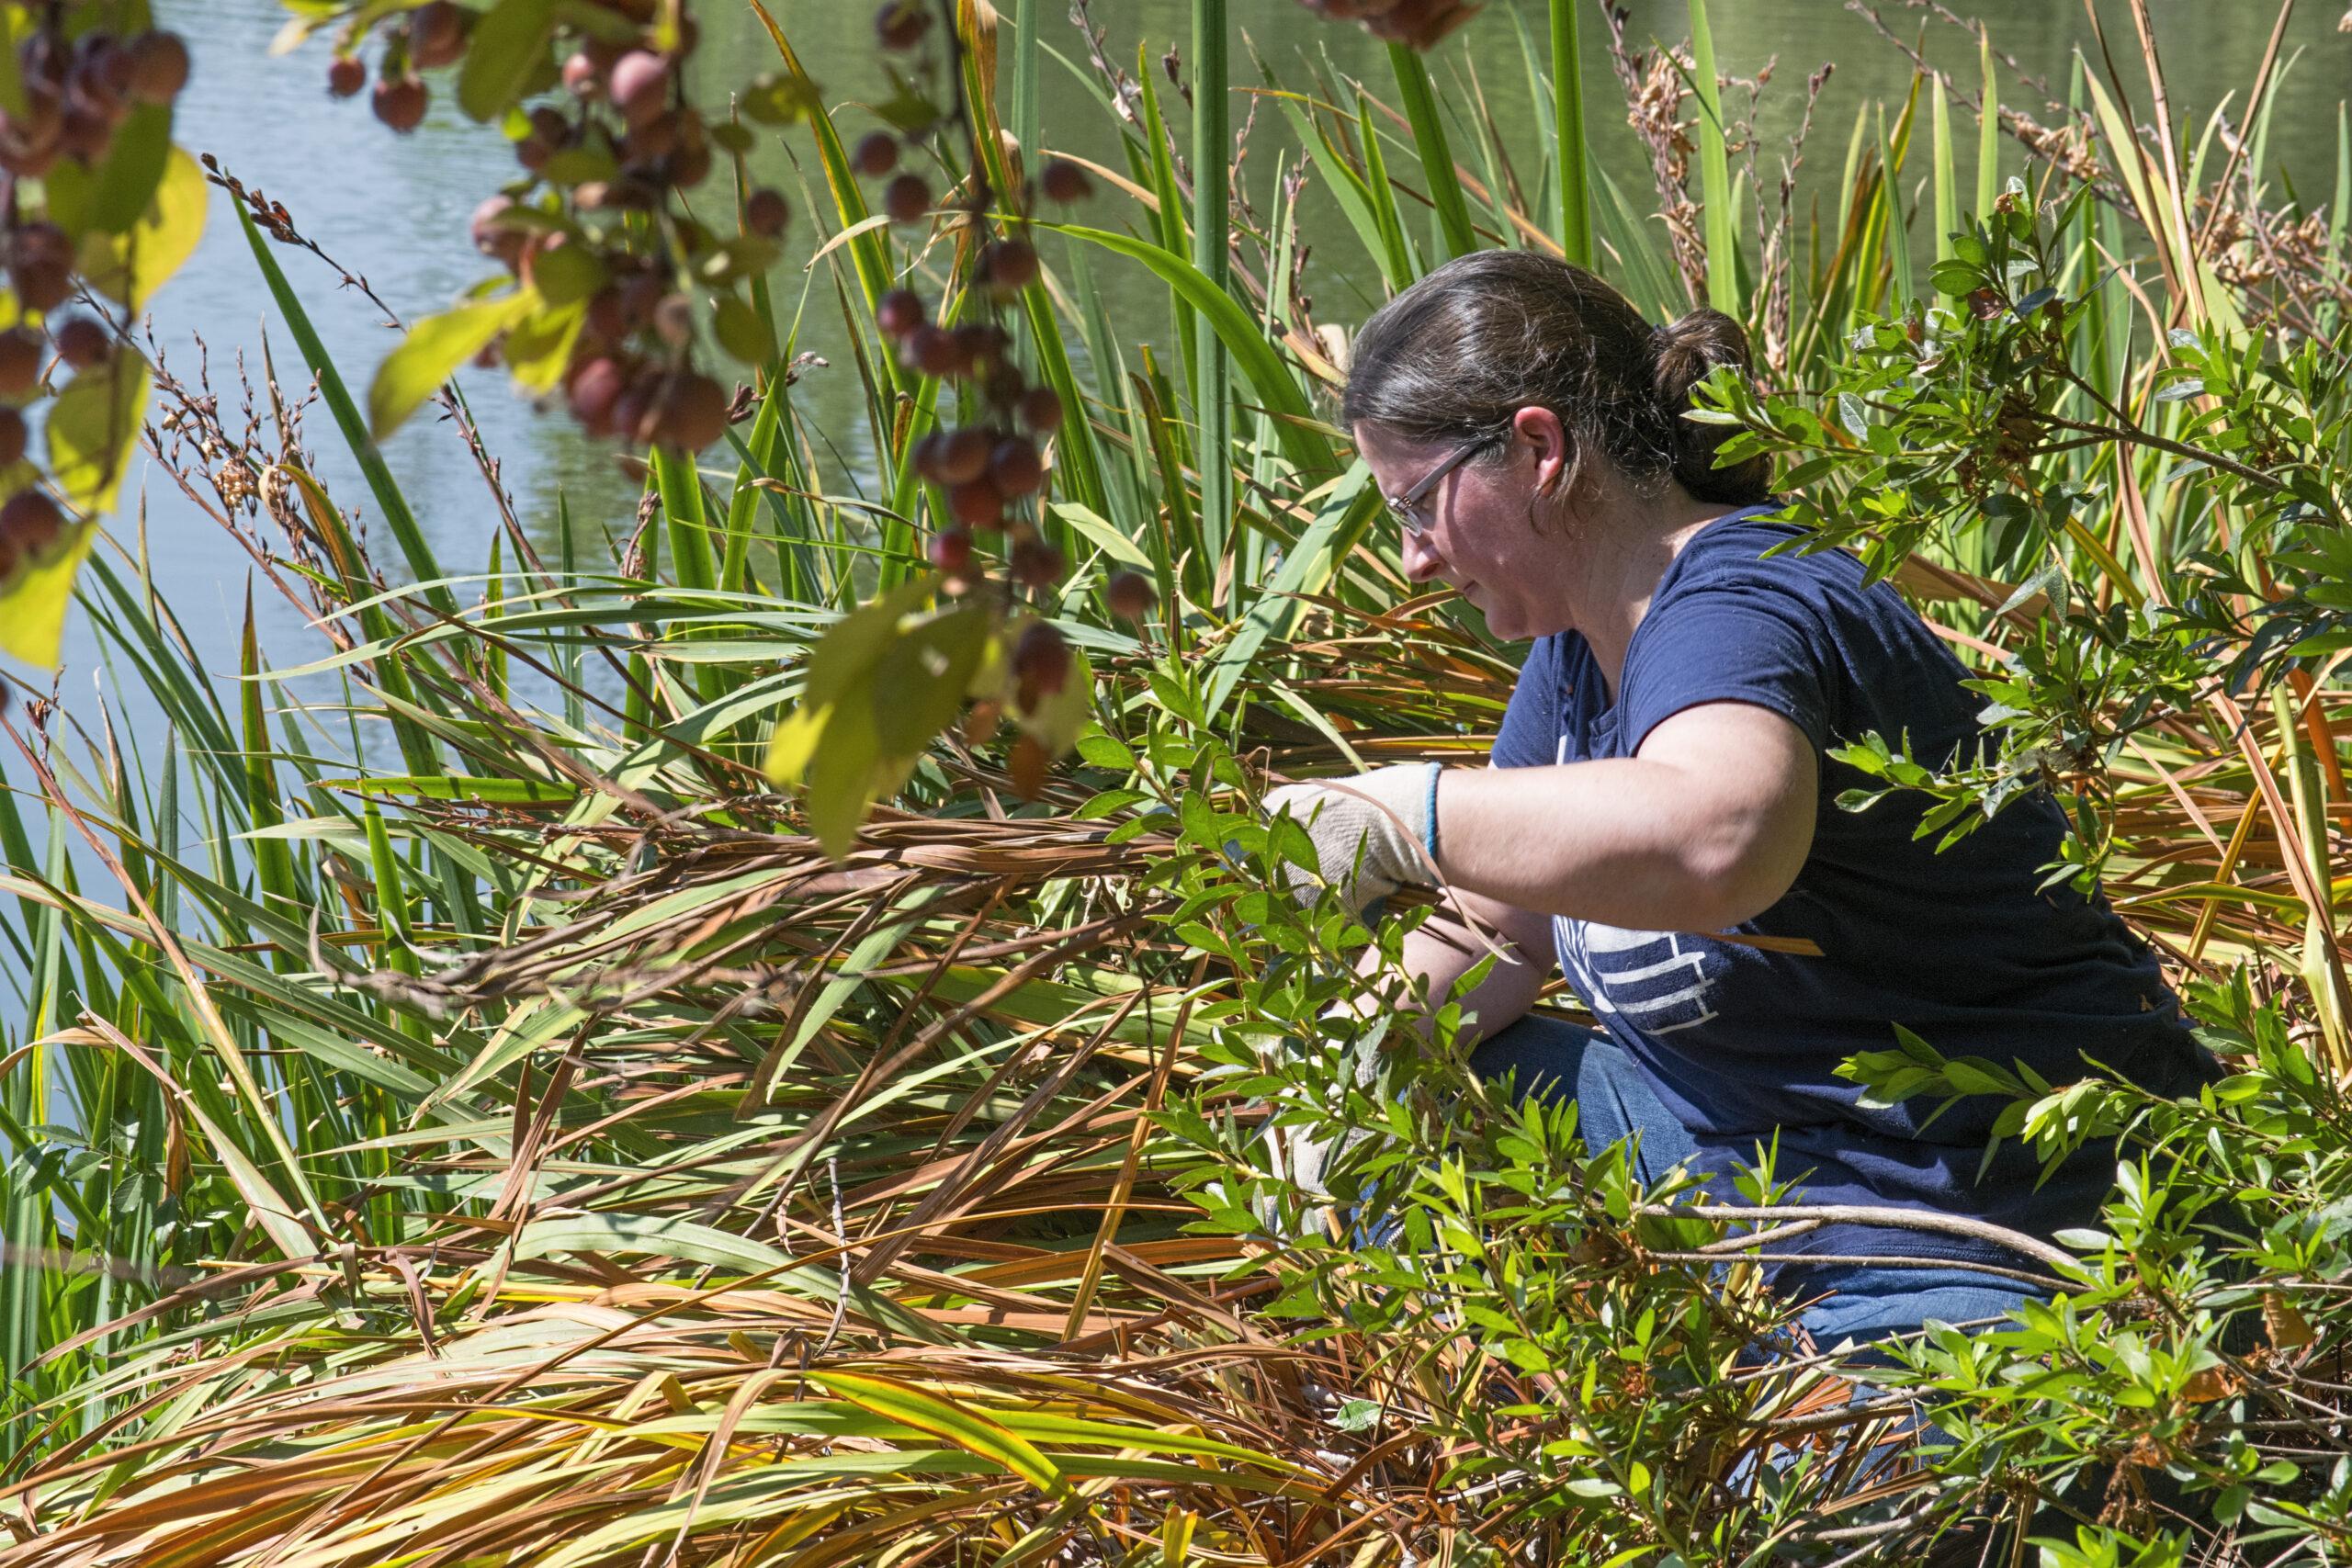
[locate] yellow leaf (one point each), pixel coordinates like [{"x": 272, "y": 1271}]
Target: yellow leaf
[
  {"x": 794, "y": 738},
  {"x": 94, "y": 428},
  {"x": 432, "y": 352},
  {"x": 540, "y": 346},
  {"x": 943, "y": 1418},
  {"x": 32, "y": 605},
  {"x": 2289, "y": 1329}
]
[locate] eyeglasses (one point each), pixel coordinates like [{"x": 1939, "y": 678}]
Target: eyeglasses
[{"x": 1404, "y": 507}]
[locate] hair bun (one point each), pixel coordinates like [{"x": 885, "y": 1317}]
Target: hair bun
[{"x": 1683, "y": 352}]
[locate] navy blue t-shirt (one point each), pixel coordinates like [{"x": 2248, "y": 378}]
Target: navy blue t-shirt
[{"x": 1963, "y": 947}]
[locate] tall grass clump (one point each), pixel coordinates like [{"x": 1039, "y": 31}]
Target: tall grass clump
[{"x": 465, "y": 1111}]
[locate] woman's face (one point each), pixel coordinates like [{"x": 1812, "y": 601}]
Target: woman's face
[{"x": 1479, "y": 531}]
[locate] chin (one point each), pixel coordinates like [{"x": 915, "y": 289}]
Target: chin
[{"x": 1511, "y": 622}]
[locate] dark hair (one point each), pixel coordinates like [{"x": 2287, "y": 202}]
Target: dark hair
[{"x": 1454, "y": 356}]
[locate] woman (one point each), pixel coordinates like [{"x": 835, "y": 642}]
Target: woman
[{"x": 1661, "y": 796}]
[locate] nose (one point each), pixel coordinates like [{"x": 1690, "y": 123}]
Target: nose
[{"x": 1422, "y": 560}]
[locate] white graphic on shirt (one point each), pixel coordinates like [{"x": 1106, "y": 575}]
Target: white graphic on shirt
[{"x": 1656, "y": 981}]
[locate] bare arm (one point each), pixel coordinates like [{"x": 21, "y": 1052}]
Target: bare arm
[
  {"x": 1706, "y": 827},
  {"x": 1444, "y": 949}
]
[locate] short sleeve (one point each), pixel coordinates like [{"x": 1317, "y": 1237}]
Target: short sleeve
[
  {"x": 1748, "y": 642},
  {"x": 1530, "y": 736}
]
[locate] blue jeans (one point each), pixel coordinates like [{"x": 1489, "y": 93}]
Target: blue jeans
[{"x": 1614, "y": 1100}]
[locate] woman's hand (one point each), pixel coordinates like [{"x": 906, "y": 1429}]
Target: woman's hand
[{"x": 1373, "y": 834}]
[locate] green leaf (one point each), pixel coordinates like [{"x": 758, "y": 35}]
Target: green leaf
[
  {"x": 127, "y": 181},
  {"x": 741, "y": 333},
  {"x": 1100, "y": 532},
  {"x": 506, "y": 47},
  {"x": 842, "y": 773},
  {"x": 94, "y": 429},
  {"x": 432, "y": 352},
  {"x": 568, "y": 274},
  {"x": 127, "y": 267},
  {"x": 659, "y": 1236},
  {"x": 1268, "y": 377},
  {"x": 920, "y": 680},
  {"x": 507, "y": 792}
]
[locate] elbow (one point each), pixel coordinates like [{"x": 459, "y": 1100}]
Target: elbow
[{"x": 1727, "y": 884}]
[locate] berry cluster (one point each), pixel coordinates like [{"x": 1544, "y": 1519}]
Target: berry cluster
[
  {"x": 78, "y": 96},
  {"x": 1421, "y": 23},
  {"x": 986, "y": 469},
  {"x": 78, "y": 93},
  {"x": 592, "y": 222}
]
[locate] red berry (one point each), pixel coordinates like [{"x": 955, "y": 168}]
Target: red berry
[
  {"x": 595, "y": 388},
  {"x": 7, "y": 559},
  {"x": 12, "y": 437},
  {"x": 85, "y": 133},
  {"x": 930, "y": 457},
  {"x": 82, "y": 342},
  {"x": 975, "y": 504},
  {"x": 951, "y": 552},
  {"x": 1129, "y": 594},
  {"x": 965, "y": 455},
  {"x": 19, "y": 362},
  {"x": 582, "y": 77},
  {"x": 653, "y": 138},
  {"x": 641, "y": 294},
  {"x": 876, "y": 154},
  {"x": 932, "y": 351},
  {"x": 1036, "y": 564},
  {"x": 436, "y": 34},
  {"x": 1010, "y": 265},
  {"x": 1014, "y": 469},
  {"x": 345, "y": 76},
  {"x": 401, "y": 102},
  {"x": 981, "y": 348},
  {"x": 674, "y": 318},
  {"x": 1041, "y": 410},
  {"x": 900, "y": 312},
  {"x": 765, "y": 213},
  {"x": 901, "y": 23},
  {"x": 692, "y": 415},
  {"x": 1065, "y": 181},
  {"x": 156, "y": 68},
  {"x": 494, "y": 239},
  {"x": 906, "y": 198},
  {"x": 607, "y": 319},
  {"x": 40, "y": 265},
  {"x": 640, "y": 85},
  {"x": 30, "y": 522},
  {"x": 1040, "y": 663}
]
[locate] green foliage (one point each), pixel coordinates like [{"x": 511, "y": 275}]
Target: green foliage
[{"x": 531, "y": 1117}]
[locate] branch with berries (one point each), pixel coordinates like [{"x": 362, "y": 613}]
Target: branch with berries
[{"x": 98, "y": 208}]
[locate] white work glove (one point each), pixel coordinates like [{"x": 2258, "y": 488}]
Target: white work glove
[{"x": 1373, "y": 834}]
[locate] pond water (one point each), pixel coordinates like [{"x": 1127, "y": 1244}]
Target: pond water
[{"x": 395, "y": 208}]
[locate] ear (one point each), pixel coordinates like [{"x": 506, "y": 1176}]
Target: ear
[{"x": 1554, "y": 448}]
